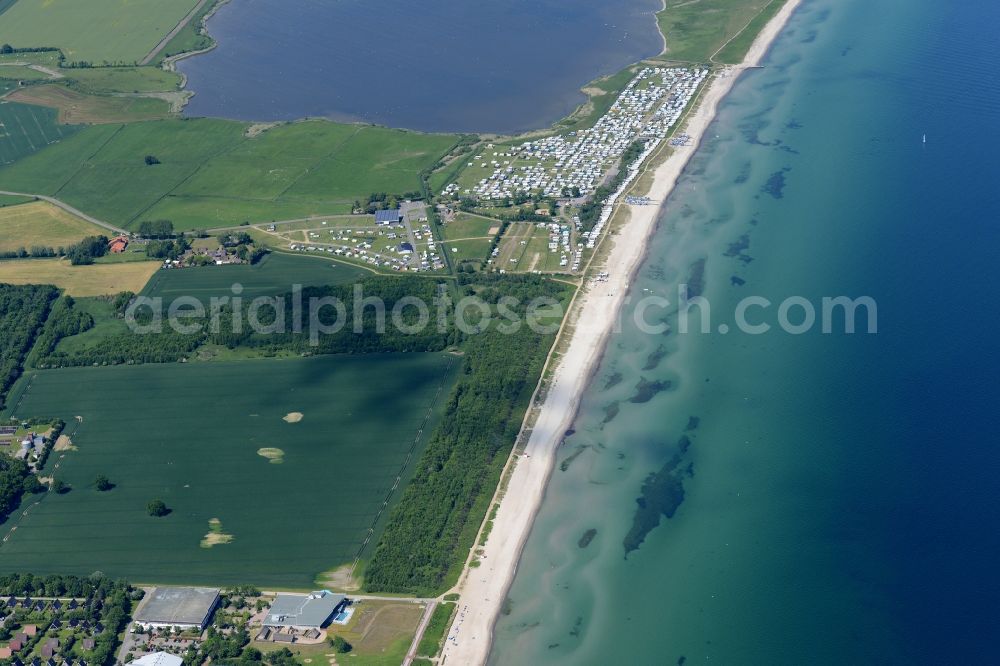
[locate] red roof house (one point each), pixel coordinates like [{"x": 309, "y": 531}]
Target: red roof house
[{"x": 118, "y": 245}]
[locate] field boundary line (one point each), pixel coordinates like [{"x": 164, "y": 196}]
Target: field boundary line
[
  {"x": 185, "y": 179},
  {"x": 319, "y": 160},
  {"x": 402, "y": 469},
  {"x": 86, "y": 161}
]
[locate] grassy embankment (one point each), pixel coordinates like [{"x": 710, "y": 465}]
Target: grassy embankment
[
  {"x": 192, "y": 37},
  {"x": 433, "y": 638}
]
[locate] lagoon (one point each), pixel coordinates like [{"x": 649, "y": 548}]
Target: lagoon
[{"x": 438, "y": 66}]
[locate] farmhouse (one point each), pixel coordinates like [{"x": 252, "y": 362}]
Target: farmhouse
[
  {"x": 158, "y": 659},
  {"x": 390, "y": 216},
  {"x": 303, "y": 611},
  {"x": 118, "y": 245},
  {"x": 184, "y": 607}
]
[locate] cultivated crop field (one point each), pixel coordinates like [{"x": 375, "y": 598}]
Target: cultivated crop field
[
  {"x": 93, "y": 280},
  {"x": 295, "y": 459},
  {"x": 77, "y": 108},
  {"x": 211, "y": 174},
  {"x": 96, "y": 31},
  {"x": 41, "y": 223},
  {"x": 25, "y": 129},
  {"x": 274, "y": 275}
]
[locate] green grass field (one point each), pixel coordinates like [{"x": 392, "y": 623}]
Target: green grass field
[
  {"x": 105, "y": 324},
  {"x": 13, "y": 200},
  {"x": 380, "y": 633},
  {"x": 695, "y": 31},
  {"x": 123, "y": 79},
  {"x": 46, "y": 58},
  {"x": 25, "y": 129},
  {"x": 737, "y": 48},
  {"x": 212, "y": 175},
  {"x": 193, "y": 435},
  {"x": 433, "y": 638},
  {"x": 468, "y": 225},
  {"x": 21, "y": 73},
  {"x": 468, "y": 250},
  {"x": 274, "y": 275},
  {"x": 97, "y": 31}
]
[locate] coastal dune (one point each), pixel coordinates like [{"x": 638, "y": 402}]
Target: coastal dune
[{"x": 591, "y": 320}]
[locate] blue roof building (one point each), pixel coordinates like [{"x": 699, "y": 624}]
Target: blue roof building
[{"x": 390, "y": 216}]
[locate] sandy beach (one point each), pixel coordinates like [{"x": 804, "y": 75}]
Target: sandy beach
[{"x": 591, "y": 319}]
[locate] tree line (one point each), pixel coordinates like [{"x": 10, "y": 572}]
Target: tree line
[
  {"x": 81, "y": 253},
  {"x": 169, "y": 346},
  {"x": 23, "y": 310},
  {"x": 433, "y": 525}
]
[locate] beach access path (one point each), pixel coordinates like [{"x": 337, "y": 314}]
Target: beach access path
[{"x": 591, "y": 319}]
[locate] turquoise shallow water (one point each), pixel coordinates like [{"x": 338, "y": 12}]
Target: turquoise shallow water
[{"x": 814, "y": 499}]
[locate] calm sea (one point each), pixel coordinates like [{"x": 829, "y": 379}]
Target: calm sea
[
  {"x": 440, "y": 65},
  {"x": 804, "y": 499}
]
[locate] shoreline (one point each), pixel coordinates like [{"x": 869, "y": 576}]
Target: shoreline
[{"x": 593, "y": 314}]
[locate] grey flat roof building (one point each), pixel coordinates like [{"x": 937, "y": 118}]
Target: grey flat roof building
[
  {"x": 390, "y": 216},
  {"x": 303, "y": 610},
  {"x": 177, "y": 607}
]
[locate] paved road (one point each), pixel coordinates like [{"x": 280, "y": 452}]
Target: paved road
[
  {"x": 69, "y": 209},
  {"x": 421, "y": 628},
  {"x": 412, "y": 212},
  {"x": 173, "y": 33},
  {"x": 312, "y": 218}
]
